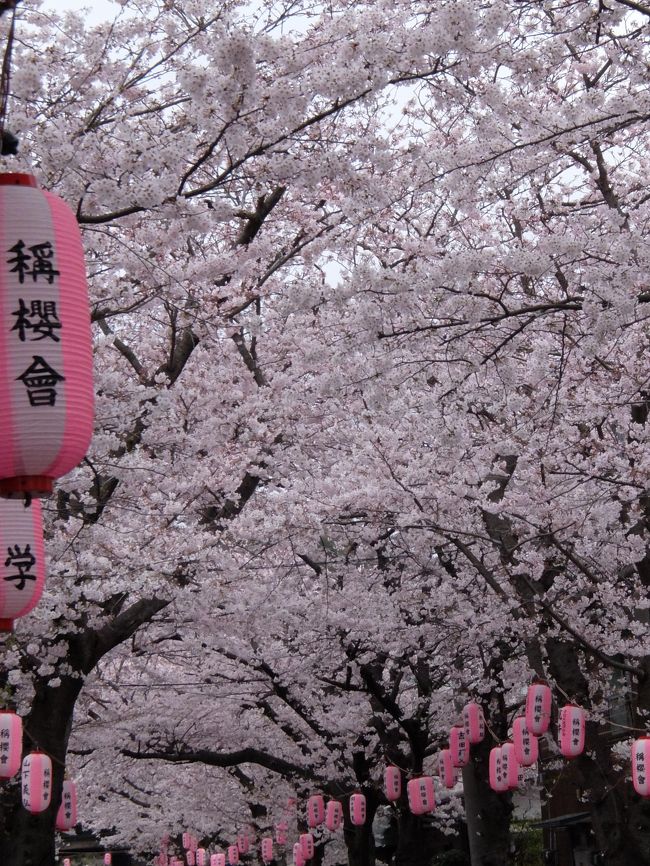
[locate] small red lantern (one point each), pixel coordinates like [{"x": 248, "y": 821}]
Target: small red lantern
[
  {"x": 22, "y": 572},
  {"x": 421, "y": 795},
  {"x": 526, "y": 745},
  {"x": 315, "y": 810},
  {"x": 473, "y": 722},
  {"x": 267, "y": 849},
  {"x": 509, "y": 766},
  {"x": 498, "y": 781},
  {"x": 307, "y": 845},
  {"x": 358, "y": 809},
  {"x": 281, "y": 831},
  {"x": 446, "y": 770},
  {"x": 11, "y": 743},
  {"x": 572, "y": 731},
  {"x": 392, "y": 783},
  {"x": 243, "y": 843},
  {"x": 233, "y": 855},
  {"x": 46, "y": 389},
  {"x": 539, "y": 701},
  {"x": 66, "y": 817},
  {"x": 458, "y": 746},
  {"x": 641, "y": 766},
  {"x": 333, "y": 815},
  {"x": 298, "y": 859},
  {"x": 36, "y": 782}
]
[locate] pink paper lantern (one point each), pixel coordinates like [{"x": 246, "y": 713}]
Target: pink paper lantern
[
  {"x": 11, "y": 743},
  {"x": 243, "y": 843},
  {"x": 572, "y": 731},
  {"x": 307, "y": 845},
  {"x": 214, "y": 860},
  {"x": 421, "y": 795},
  {"x": 358, "y": 809},
  {"x": 46, "y": 388},
  {"x": 221, "y": 859},
  {"x": 333, "y": 815},
  {"x": 458, "y": 746},
  {"x": 509, "y": 766},
  {"x": 233, "y": 855},
  {"x": 66, "y": 817},
  {"x": 498, "y": 781},
  {"x": 108, "y": 858},
  {"x": 200, "y": 857},
  {"x": 298, "y": 859},
  {"x": 446, "y": 770},
  {"x": 473, "y": 722},
  {"x": 539, "y": 701},
  {"x": 641, "y": 766},
  {"x": 315, "y": 810},
  {"x": 526, "y": 745},
  {"x": 66, "y": 861},
  {"x": 22, "y": 563},
  {"x": 392, "y": 783},
  {"x": 194, "y": 843},
  {"x": 36, "y": 782},
  {"x": 267, "y": 849},
  {"x": 186, "y": 841},
  {"x": 163, "y": 858},
  {"x": 281, "y": 831},
  {"x": 190, "y": 858}
]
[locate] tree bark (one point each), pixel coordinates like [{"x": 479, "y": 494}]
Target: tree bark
[{"x": 486, "y": 812}]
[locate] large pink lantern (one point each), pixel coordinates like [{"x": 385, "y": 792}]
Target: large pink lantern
[
  {"x": 498, "y": 780},
  {"x": 243, "y": 843},
  {"x": 22, "y": 559},
  {"x": 358, "y": 809},
  {"x": 509, "y": 766},
  {"x": 281, "y": 831},
  {"x": 572, "y": 731},
  {"x": 233, "y": 855},
  {"x": 11, "y": 743},
  {"x": 46, "y": 388},
  {"x": 539, "y": 701},
  {"x": 221, "y": 859},
  {"x": 66, "y": 817},
  {"x": 298, "y": 859},
  {"x": 641, "y": 766},
  {"x": 458, "y": 746},
  {"x": 315, "y": 810},
  {"x": 307, "y": 845},
  {"x": 421, "y": 795},
  {"x": 473, "y": 722},
  {"x": 392, "y": 783},
  {"x": 214, "y": 860},
  {"x": 36, "y": 782},
  {"x": 267, "y": 849},
  {"x": 446, "y": 769},
  {"x": 333, "y": 815},
  {"x": 526, "y": 745}
]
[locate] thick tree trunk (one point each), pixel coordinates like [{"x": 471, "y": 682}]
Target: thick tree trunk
[
  {"x": 486, "y": 812},
  {"x": 360, "y": 841}
]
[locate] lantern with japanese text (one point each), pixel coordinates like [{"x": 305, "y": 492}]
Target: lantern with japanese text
[
  {"x": 221, "y": 859},
  {"x": 22, "y": 571},
  {"x": 315, "y": 810},
  {"x": 36, "y": 782},
  {"x": 446, "y": 770},
  {"x": 267, "y": 849},
  {"x": 108, "y": 858},
  {"x": 539, "y": 701},
  {"x": 458, "y": 746},
  {"x": 200, "y": 857},
  {"x": 421, "y": 795},
  {"x": 163, "y": 859},
  {"x": 281, "y": 831},
  {"x": 307, "y": 845},
  {"x": 214, "y": 860},
  {"x": 509, "y": 766},
  {"x": 473, "y": 722},
  {"x": 190, "y": 857},
  {"x": 46, "y": 388},
  {"x": 243, "y": 843},
  {"x": 572, "y": 731},
  {"x": 498, "y": 781},
  {"x": 233, "y": 855},
  {"x": 358, "y": 809},
  {"x": 333, "y": 815},
  {"x": 298, "y": 859},
  {"x": 66, "y": 817},
  {"x": 186, "y": 841},
  {"x": 526, "y": 745},
  {"x": 11, "y": 743},
  {"x": 392, "y": 783},
  {"x": 641, "y": 766}
]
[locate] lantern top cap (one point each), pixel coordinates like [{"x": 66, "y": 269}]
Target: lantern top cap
[{"x": 16, "y": 178}]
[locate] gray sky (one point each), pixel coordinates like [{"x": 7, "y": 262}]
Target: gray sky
[{"x": 99, "y": 10}]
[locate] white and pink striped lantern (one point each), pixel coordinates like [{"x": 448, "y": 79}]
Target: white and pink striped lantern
[
  {"x": 446, "y": 770},
  {"x": 46, "y": 387},
  {"x": 22, "y": 563},
  {"x": 200, "y": 857},
  {"x": 334, "y": 815},
  {"x": 190, "y": 857},
  {"x": 307, "y": 845},
  {"x": 572, "y": 731},
  {"x": 315, "y": 810},
  {"x": 108, "y": 858},
  {"x": 66, "y": 817},
  {"x": 298, "y": 859},
  {"x": 498, "y": 781},
  {"x": 243, "y": 843},
  {"x": 36, "y": 782},
  {"x": 214, "y": 860},
  {"x": 11, "y": 743},
  {"x": 526, "y": 745},
  {"x": 358, "y": 809},
  {"x": 458, "y": 746},
  {"x": 392, "y": 783},
  {"x": 641, "y": 766},
  {"x": 233, "y": 855},
  {"x": 267, "y": 849},
  {"x": 473, "y": 722},
  {"x": 509, "y": 766},
  {"x": 281, "y": 833},
  {"x": 421, "y": 795},
  {"x": 539, "y": 701}
]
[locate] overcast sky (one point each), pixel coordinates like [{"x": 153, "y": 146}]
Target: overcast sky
[{"x": 98, "y": 10}]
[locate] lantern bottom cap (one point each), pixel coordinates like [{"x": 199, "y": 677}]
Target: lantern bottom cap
[
  {"x": 6, "y": 625},
  {"x": 35, "y": 485}
]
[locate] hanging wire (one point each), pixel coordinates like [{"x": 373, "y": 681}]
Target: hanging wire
[{"x": 5, "y": 75}]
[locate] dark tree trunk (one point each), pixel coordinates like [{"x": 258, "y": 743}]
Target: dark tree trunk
[
  {"x": 486, "y": 812},
  {"x": 360, "y": 841}
]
